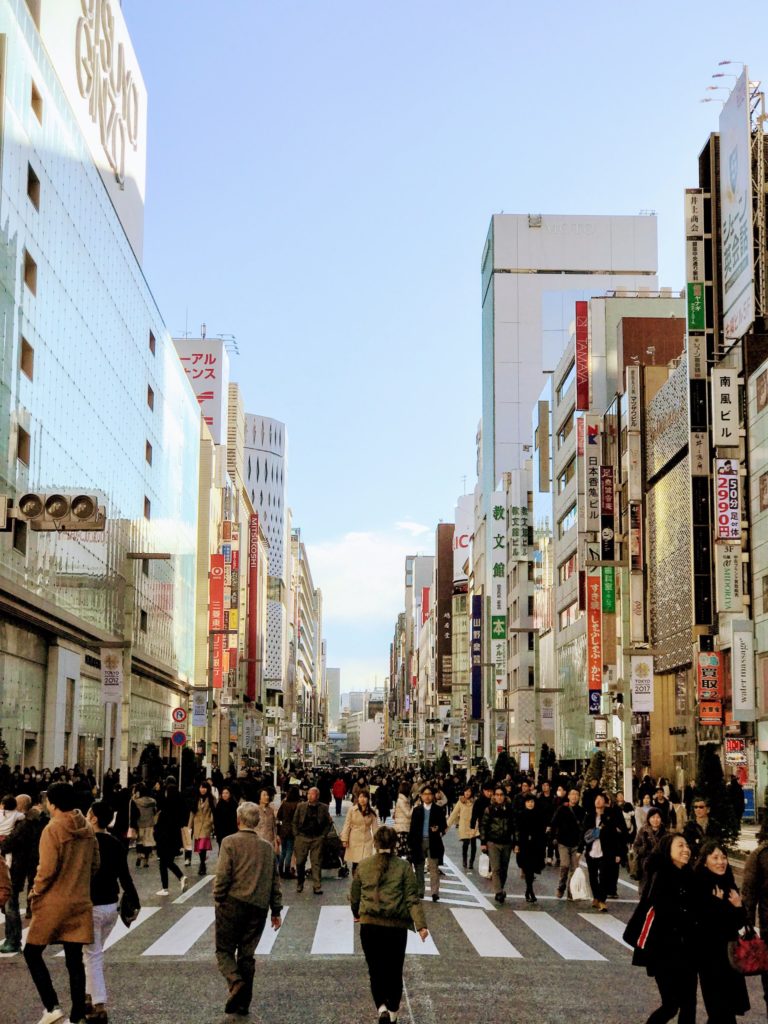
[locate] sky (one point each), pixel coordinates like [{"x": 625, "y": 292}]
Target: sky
[{"x": 321, "y": 177}]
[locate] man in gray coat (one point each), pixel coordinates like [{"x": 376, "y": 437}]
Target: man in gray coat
[{"x": 245, "y": 889}]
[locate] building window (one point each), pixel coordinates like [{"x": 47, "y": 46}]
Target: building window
[
  {"x": 147, "y": 508},
  {"x": 143, "y": 621},
  {"x": 568, "y": 615},
  {"x": 566, "y": 476},
  {"x": 565, "y": 431},
  {"x": 23, "y": 446},
  {"x": 148, "y": 453},
  {"x": 531, "y": 642},
  {"x": 530, "y": 675},
  {"x": 33, "y": 187},
  {"x": 566, "y": 383},
  {"x": 530, "y": 604},
  {"x": 567, "y": 569},
  {"x": 567, "y": 522},
  {"x": 30, "y": 273},
  {"x": 530, "y": 572},
  {"x": 20, "y": 536},
  {"x": 36, "y": 101},
  {"x": 151, "y": 343},
  {"x": 27, "y": 359},
  {"x": 145, "y": 567},
  {"x": 150, "y": 397}
]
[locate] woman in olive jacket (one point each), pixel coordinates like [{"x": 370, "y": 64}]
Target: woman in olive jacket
[
  {"x": 385, "y": 901},
  {"x": 719, "y": 917}
]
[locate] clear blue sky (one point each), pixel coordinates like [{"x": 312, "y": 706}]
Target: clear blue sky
[{"x": 321, "y": 176}]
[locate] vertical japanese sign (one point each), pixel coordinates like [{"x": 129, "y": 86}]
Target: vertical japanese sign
[
  {"x": 218, "y": 660},
  {"x": 635, "y": 538},
  {"x": 710, "y": 686},
  {"x": 736, "y": 213},
  {"x": 476, "y": 654},
  {"x": 497, "y": 587},
  {"x": 608, "y": 574},
  {"x": 594, "y": 641},
  {"x": 199, "y": 708},
  {"x": 252, "y": 635},
  {"x": 728, "y": 499},
  {"x": 424, "y": 605},
  {"x": 462, "y": 536},
  {"x": 593, "y": 457},
  {"x": 206, "y": 364},
  {"x": 743, "y": 672},
  {"x": 216, "y": 594},
  {"x": 728, "y": 578},
  {"x": 582, "y": 356},
  {"x": 607, "y": 515},
  {"x": 725, "y": 408}
]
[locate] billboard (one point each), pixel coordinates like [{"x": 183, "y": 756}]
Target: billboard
[
  {"x": 725, "y": 408},
  {"x": 736, "y": 214},
  {"x": 497, "y": 587},
  {"x": 582, "y": 356},
  {"x": 710, "y": 687},
  {"x": 462, "y": 535},
  {"x": 216, "y": 594},
  {"x": 593, "y": 457},
  {"x": 444, "y": 607},
  {"x": 206, "y": 364},
  {"x": 728, "y": 578},
  {"x": 728, "y": 499},
  {"x": 476, "y": 654},
  {"x": 743, "y": 672},
  {"x": 641, "y": 667}
]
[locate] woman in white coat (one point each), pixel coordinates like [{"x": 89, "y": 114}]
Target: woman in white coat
[
  {"x": 461, "y": 815},
  {"x": 359, "y": 828},
  {"x": 402, "y": 817}
]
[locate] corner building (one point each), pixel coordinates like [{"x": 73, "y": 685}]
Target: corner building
[{"x": 93, "y": 400}]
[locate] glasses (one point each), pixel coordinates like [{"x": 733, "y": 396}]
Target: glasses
[{"x": 698, "y": 807}]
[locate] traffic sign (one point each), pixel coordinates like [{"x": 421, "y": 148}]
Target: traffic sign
[
  {"x": 179, "y": 738},
  {"x": 179, "y": 715}
]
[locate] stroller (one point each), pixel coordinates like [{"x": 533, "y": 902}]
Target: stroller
[{"x": 333, "y": 854}]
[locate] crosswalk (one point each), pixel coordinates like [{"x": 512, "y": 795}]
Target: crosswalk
[{"x": 174, "y": 933}]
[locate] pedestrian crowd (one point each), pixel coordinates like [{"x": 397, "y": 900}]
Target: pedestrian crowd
[{"x": 65, "y": 844}]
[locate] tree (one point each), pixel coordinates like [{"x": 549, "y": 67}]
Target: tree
[
  {"x": 443, "y": 764},
  {"x": 595, "y": 767},
  {"x": 710, "y": 783},
  {"x": 505, "y": 765}
]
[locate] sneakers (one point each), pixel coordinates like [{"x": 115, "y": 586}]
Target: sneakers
[
  {"x": 384, "y": 1017},
  {"x": 500, "y": 896},
  {"x": 595, "y": 904},
  {"x": 51, "y": 1016},
  {"x": 161, "y": 892},
  {"x": 184, "y": 883}
]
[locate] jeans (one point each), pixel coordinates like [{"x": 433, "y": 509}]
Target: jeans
[
  {"x": 13, "y": 919},
  {"x": 677, "y": 988},
  {"x": 569, "y": 861},
  {"x": 104, "y": 918},
  {"x": 471, "y": 846},
  {"x": 166, "y": 865},
  {"x": 73, "y": 957},
  {"x": 434, "y": 874},
  {"x": 284, "y": 857},
  {"x": 239, "y": 926},
  {"x": 384, "y": 950},
  {"x": 309, "y": 846},
  {"x": 498, "y": 855}
]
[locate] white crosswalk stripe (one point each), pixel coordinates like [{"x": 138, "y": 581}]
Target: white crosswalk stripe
[
  {"x": 556, "y": 935},
  {"x": 268, "y": 936},
  {"x": 335, "y": 932},
  {"x": 610, "y": 925},
  {"x": 120, "y": 931},
  {"x": 484, "y": 935},
  {"x": 182, "y": 936}
]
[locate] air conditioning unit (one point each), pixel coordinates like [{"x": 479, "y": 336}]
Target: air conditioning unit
[{"x": 61, "y": 512}]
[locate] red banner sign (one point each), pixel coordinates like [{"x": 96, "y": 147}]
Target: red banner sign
[
  {"x": 594, "y": 641},
  {"x": 253, "y": 612},
  {"x": 582, "y": 356},
  {"x": 216, "y": 594},
  {"x": 710, "y": 686},
  {"x": 424, "y": 604}
]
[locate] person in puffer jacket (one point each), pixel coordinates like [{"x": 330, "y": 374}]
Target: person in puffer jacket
[{"x": 497, "y": 837}]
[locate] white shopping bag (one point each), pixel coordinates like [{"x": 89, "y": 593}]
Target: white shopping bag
[
  {"x": 579, "y": 883},
  {"x": 484, "y": 866}
]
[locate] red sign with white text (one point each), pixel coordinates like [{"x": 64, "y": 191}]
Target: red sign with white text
[
  {"x": 424, "y": 604},
  {"x": 253, "y": 617},
  {"x": 582, "y": 356},
  {"x": 216, "y": 593}
]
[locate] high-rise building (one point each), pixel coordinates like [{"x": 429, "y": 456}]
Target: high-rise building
[{"x": 333, "y": 678}]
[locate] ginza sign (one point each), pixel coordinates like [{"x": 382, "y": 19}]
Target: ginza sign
[{"x": 106, "y": 83}]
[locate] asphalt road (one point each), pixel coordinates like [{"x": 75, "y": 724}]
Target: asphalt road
[{"x": 553, "y": 962}]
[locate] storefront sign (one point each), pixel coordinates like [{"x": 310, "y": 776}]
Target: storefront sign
[
  {"x": 609, "y": 589},
  {"x": 697, "y": 358},
  {"x": 635, "y": 537},
  {"x": 497, "y": 581},
  {"x": 694, "y": 213},
  {"x": 727, "y": 500},
  {"x": 743, "y": 672},
  {"x": 636, "y": 607},
  {"x": 111, "y": 675},
  {"x": 698, "y": 445},
  {"x": 632, "y": 375},
  {"x": 710, "y": 687},
  {"x": 593, "y": 456},
  {"x": 607, "y": 512},
  {"x": 725, "y": 408},
  {"x": 735, "y": 750},
  {"x": 697, "y": 318},
  {"x": 199, "y": 708},
  {"x": 582, "y": 356},
  {"x": 601, "y": 730},
  {"x": 216, "y": 594},
  {"x": 476, "y": 652},
  {"x": 728, "y": 577},
  {"x": 642, "y": 683},
  {"x": 634, "y": 468},
  {"x": 594, "y": 641},
  {"x": 252, "y": 606}
]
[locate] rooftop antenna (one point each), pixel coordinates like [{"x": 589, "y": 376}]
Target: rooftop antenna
[{"x": 203, "y": 329}]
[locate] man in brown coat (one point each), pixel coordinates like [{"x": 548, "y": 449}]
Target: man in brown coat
[{"x": 61, "y": 901}]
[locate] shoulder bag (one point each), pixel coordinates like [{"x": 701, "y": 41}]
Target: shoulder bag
[{"x": 748, "y": 954}]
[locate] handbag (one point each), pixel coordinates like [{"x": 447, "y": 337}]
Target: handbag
[
  {"x": 129, "y": 909},
  {"x": 579, "y": 884},
  {"x": 639, "y": 931},
  {"x": 186, "y": 838},
  {"x": 748, "y": 954}
]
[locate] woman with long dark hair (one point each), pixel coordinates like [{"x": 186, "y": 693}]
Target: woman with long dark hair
[
  {"x": 385, "y": 901},
  {"x": 201, "y": 823},
  {"x": 359, "y": 828},
  {"x": 719, "y": 917},
  {"x": 285, "y": 813},
  {"x": 403, "y": 812}
]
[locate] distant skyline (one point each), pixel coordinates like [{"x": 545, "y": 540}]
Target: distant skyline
[{"x": 320, "y": 182}]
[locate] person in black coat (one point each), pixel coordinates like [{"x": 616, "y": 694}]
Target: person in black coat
[
  {"x": 225, "y": 813},
  {"x": 171, "y": 818},
  {"x": 428, "y": 826},
  {"x": 530, "y": 843},
  {"x": 668, "y": 953},
  {"x": 719, "y": 917},
  {"x": 604, "y": 838}
]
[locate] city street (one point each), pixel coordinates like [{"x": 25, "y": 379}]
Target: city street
[{"x": 481, "y": 962}]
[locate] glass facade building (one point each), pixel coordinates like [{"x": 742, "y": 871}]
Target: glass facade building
[{"x": 93, "y": 400}]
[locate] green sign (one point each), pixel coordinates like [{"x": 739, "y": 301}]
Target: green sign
[
  {"x": 498, "y": 627},
  {"x": 609, "y": 589},
  {"x": 696, "y": 314}
]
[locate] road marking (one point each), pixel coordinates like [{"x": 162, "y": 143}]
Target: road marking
[
  {"x": 268, "y": 936},
  {"x": 610, "y": 925},
  {"x": 481, "y": 901},
  {"x": 120, "y": 931},
  {"x": 565, "y": 943},
  {"x": 452, "y": 903},
  {"x": 335, "y": 931},
  {"x": 194, "y": 888},
  {"x": 416, "y": 947},
  {"x": 629, "y": 885},
  {"x": 484, "y": 935},
  {"x": 182, "y": 936}
]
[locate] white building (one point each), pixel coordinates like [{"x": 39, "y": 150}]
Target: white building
[{"x": 333, "y": 681}]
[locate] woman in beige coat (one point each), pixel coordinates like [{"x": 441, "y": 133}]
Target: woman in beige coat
[
  {"x": 201, "y": 824},
  {"x": 462, "y": 815},
  {"x": 61, "y": 900},
  {"x": 267, "y": 824},
  {"x": 359, "y": 828}
]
